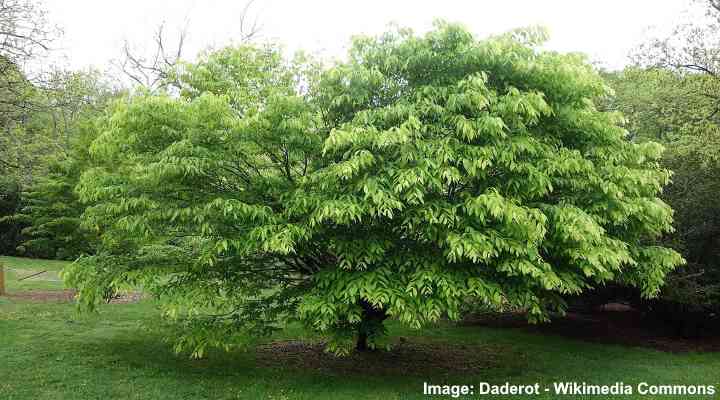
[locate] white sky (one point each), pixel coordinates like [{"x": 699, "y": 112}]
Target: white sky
[{"x": 605, "y": 30}]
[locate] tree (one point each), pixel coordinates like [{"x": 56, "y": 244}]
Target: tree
[
  {"x": 24, "y": 30},
  {"x": 662, "y": 104},
  {"x": 458, "y": 173},
  {"x": 15, "y": 107},
  {"x": 672, "y": 95},
  {"x": 691, "y": 48},
  {"x": 51, "y": 210},
  {"x": 659, "y": 104},
  {"x": 50, "y": 151},
  {"x": 221, "y": 158},
  {"x": 153, "y": 72},
  {"x": 692, "y": 293},
  {"x": 34, "y": 138},
  {"x": 422, "y": 172},
  {"x": 10, "y": 203},
  {"x": 24, "y": 34},
  {"x": 158, "y": 70}
]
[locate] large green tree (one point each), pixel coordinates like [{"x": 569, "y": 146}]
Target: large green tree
[{"x": 424, "y": 171}]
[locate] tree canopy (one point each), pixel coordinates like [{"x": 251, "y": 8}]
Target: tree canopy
[
  {"x": 423, "y": 171},
  {"x": 671, "y": 95}
]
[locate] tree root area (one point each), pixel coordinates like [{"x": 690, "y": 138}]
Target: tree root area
[
  {"x": 403, "y": 358},
  {"x": 66, "y": 296}
]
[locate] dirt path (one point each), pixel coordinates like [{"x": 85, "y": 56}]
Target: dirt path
[
  {"x": 66, "y": 296},
  {"x": 44, "y": 296}
]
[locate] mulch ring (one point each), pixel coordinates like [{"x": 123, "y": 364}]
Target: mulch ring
[
  {"x": 627, "y": 328},
  {"x": 67, "y": 296},
  {"x": 404, "y": 358}
]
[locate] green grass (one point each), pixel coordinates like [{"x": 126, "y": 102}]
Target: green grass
[
  {"x": 32, "y": 263},
  {"x": 16, "y": 268},
  {"x": 48, "y": 351}
]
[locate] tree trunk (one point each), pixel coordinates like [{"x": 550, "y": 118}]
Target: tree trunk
[
  {"x": 361, "y": 344},
  {"x": 2, "y": 280},
  {"x": 372, "y": 320}
]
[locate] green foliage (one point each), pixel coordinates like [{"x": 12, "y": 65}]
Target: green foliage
[
  {"x": 424, "y": 171},
  {"x": 693, "y": 193},
  {"x": 16, "y": 94},
  {"x": 246, "y": 75},
  {"x": 52, "y": 215},
  {"x": 660, "y": 104},
  {"x": 672, "y": 95},
  {"x": 476, "y": 169},
  {"x": 187, "y": 196},
  {"x": 35, "y": 136},
  {"x": 51, "y": 151},
  {"x": 672, "y": 106},
  {"x": 10, "y": 203}
]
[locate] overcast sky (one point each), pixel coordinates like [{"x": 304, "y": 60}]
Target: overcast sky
[{"x": 605, "y": 30}]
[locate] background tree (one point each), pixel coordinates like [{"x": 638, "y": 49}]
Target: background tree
[
  {"x": 663, "y": 104},
  {"x": 24, "y": 30},
  {"x": 692, "y": 47},
  {"x": 25, "y": 33},
  {"x": 153, "y": 71},
  {"x": 51, "y": 210},
  {"x": 48, "y": 152},
  {"x": 671, "y": 95},
  {"x": 659, "y": 104},
  {"x": 10, "y": 203},
  {"x": 424, "y": 171}
]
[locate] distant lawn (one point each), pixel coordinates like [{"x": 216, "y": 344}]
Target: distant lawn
[
  {"x": 17, "y": 268},
  {"x": 33, "y": 263},
  {"x": 48, "y": 351}
]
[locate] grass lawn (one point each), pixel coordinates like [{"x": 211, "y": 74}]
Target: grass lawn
[
  {"x": 32, "y": 263},
  {"x": 16, "y": 267},
  {"x": 48, "y": 351}
]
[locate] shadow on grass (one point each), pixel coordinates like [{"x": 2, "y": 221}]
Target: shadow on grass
[
  {"x": 111, "y": 356},
  {"x": 407, "y": 359}
]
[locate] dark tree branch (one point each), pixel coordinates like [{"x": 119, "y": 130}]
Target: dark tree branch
[
  {"x": 153, "y": 72},
  {"x": 715, "y": 4},
  {"x": 24, "y": 34},
  {"x": 248, "y": 30}
]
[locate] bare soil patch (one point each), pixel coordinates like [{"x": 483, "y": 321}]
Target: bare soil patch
[
  {"x": 629, "y": 328},
  {"x": 67, "y": 296},
  {"x": 404, "y": 358},
  {"x": 43, "y": 296}
]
